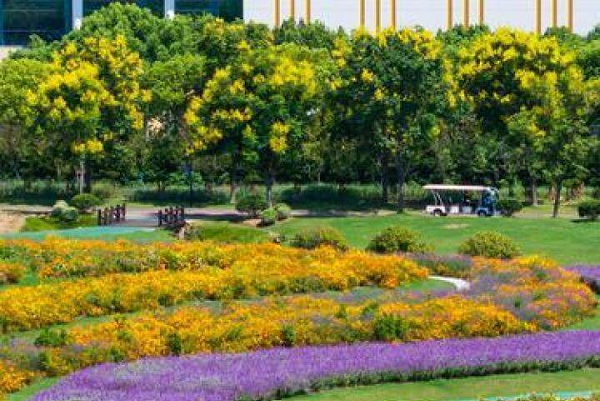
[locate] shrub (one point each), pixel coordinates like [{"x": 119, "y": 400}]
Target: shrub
[
  {"x": 85, "y": 202},
  {"x": 52, "y": 338},
  {"x": 69, "y": 214},
  {"x": 490, "y": 244},
  {"x": 268, "y": 217},
  {"x": 589, "y": 209},
  {"x": 321, "y": 236},
  {"x": 398, "y": 239},
  {"x": 508, "y": 207},
  {"x": 252, "y": 205},
  {"x": 58, "y": 208},
  {"x": 283, "y": 211}
]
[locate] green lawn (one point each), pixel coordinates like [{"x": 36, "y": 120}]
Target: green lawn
[
  {"x": 34, "y": 224},
  {"x": 471, "y": 388},
  {"x": 562, "y": 239}
]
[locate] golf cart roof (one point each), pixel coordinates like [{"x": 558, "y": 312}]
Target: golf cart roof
[{"x": 474, "y": 188}]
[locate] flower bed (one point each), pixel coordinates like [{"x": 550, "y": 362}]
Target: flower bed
[
  {"x": 589, "y": 274},
  {"x": 283, "y": 372},
  {"x": 267, "y": 270},
  {"x": 297, "y": 322}
]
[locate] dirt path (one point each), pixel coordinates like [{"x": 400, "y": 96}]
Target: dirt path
[{"x": 11, "y": 222}]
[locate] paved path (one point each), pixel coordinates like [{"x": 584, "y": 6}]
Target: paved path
[{"x": 460, "y": 284}]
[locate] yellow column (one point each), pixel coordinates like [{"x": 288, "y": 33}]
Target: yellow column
[
  {"x": 307, "y": 11},
  {"x": 466, "y": 13},
  {"x": 277, "y": 19},
  {"x": 450, "y": 14},
  {"x": 377, "y": 16},
  {"x": 555, "y": 13},
  {"x": 481, "y": 12},
  {"x": 362, "y": 13},
  {"x": 293, "y": 9},
  {"x": 570, "y": 15},
  {"x": 393, "y": 11},
  {"x": 538, "y": 16}
]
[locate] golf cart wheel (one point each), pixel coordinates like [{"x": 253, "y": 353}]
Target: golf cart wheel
[
  {"x": 438, "y": 213},
  {"x": 482, "y": 213}
]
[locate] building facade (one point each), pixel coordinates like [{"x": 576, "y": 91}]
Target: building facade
[
  {"x": 50, "y": 19},
  {"x": 531, "y": 15}
]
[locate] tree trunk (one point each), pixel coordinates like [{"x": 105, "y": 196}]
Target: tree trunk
[
  {"x": 81, "y": 175},
  {"x": 558, "y": 186},
  {"x": 400, "y": 180},
  {"x": 533, "y": 192},
  {"x": 385, "y": 183},
  {"x": 269, "y": 181}
]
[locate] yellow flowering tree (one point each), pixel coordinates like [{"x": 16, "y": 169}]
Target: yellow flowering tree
[
  {"x": 91, "y": 99},
  {"x": 257, "y": 108},
  {"x": 509, "y": 76},
  {"x": 392, "y": 89}
]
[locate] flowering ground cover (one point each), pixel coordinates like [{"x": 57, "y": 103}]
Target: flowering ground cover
[
  {"x": 590, "y": 274},
  {"x": 284, "y": 372}
]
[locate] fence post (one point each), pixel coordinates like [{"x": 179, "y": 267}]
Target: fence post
[
  {"x": 99, "y": 217},
  {"x": 124, "y": 211},
  {"x": 160, "y": 217}
]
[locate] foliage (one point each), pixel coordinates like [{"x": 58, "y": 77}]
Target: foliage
[
  {"x": 172, "y": 274},
  {"x": 11, "y": 272},
  {"x": 252, "y": 205},
  {"x": 398, "y": 239},
  {"x": 589, "y": 209},
  {"x": 226, "y": 233},
  {"x": 85, "y": 202},
  {"x": 269, "y": 216},
  {"x": 490, "y": 244},
  {"x": 284, "y": 212},
  {"x": 318, "y": 237},
  {"x": 509, "y": 207}
]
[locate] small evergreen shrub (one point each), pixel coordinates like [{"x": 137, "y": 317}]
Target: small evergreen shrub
[
  {"x": 589, "y": 209},
  {"x": 398, "y": 239},
  {"x": 283, "y": 211},
  {"x": 317, "y": 237},
  {"x": 268, "y": 217},
  {"x": 69, "y": 215},
  {"x": 252, "y": 205},
  {"x": 84, "y": 203},
  {"x": 509, "y": 207},
  {"x": 58, "y": 208},
  {"x": 52, "y": 338},
  {"x": 490, "y": 244}
]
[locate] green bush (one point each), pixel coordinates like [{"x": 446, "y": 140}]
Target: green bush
[
  {"x": 52, "y": 338},
  {"x": 283, "y": 211},
  {"x": 268, "y": 217},
  {"x": 490, "y": 244},
  {"x": 317, "y": 237},
  {"x": 596, "y": 193},
  {"x": 398, "y": 239},
  {"x": 252, "y": 205},
  {"x": 58, "y": 208},
  {"x": 589, "y": 209},
  {"x": 84, "y": 203},
  {"x": 508, "y": 207},
  {"x": 69, "y": 215}
]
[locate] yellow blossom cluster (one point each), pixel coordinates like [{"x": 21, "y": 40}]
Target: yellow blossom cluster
[
  {"x": 13, "y": 378},
  {"x": 185, "y": 272},
  {"x": 298, "y": 321},
  {"x": 11, "y": 272}
]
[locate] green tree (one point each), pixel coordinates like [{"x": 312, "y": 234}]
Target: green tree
[
  {"x": 257, "y": 108},
  {"x": 392, "y": 87}
]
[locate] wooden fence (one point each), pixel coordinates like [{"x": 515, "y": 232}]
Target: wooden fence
[
  {"x": 112, "y": 215},
  {"x": 171, "y": 216}
]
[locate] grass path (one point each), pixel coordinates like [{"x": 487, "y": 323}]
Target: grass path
[{"x": 471, "y": 388}]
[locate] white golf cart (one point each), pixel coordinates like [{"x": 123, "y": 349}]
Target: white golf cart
[{"x": 462, "y": 200}]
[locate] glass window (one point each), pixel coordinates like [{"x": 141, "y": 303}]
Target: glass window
[
  {"x": 156, "y": 6},
  {"x": 229, "y": 10},
  {"x": 49, "y": 19}
]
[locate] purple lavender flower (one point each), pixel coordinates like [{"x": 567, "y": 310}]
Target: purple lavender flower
[
  {"x": 589, "y": 274},
  {"x": 272, "y": 373}
]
